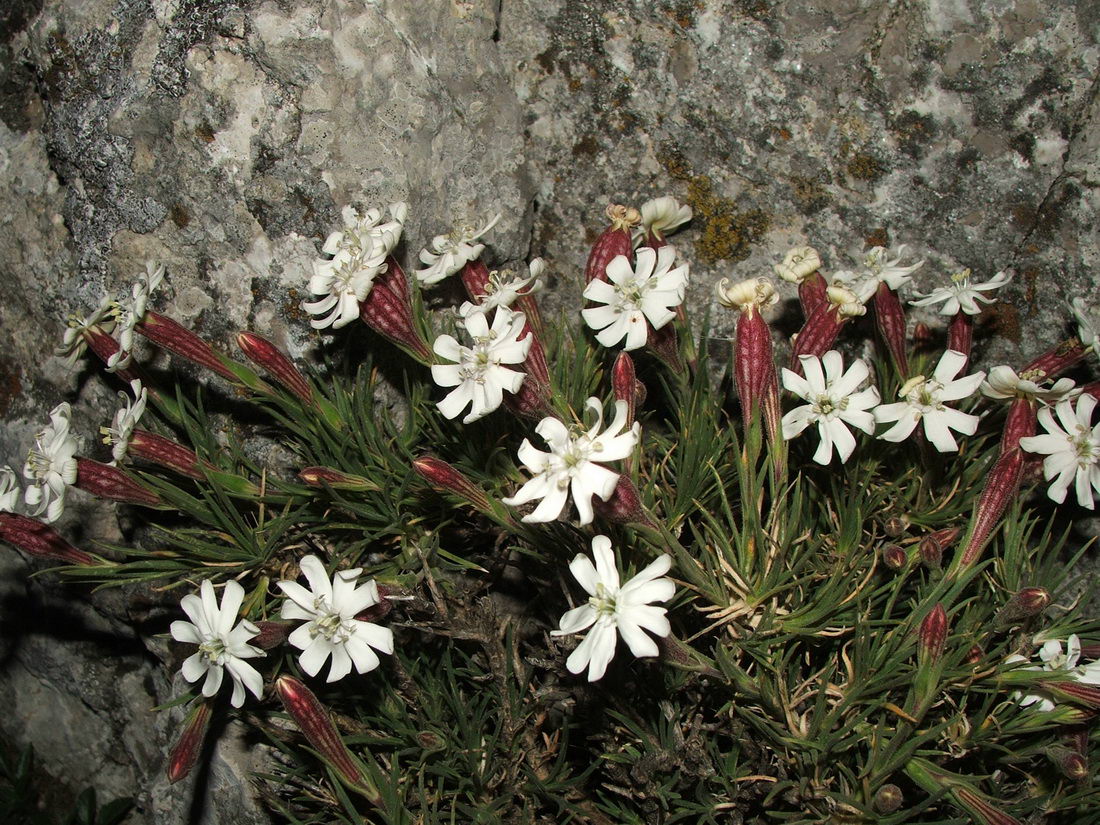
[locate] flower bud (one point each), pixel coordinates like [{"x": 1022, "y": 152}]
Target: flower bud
[
  {"x": 167, "y": 453},
  {"x": 1001, "y": 486},
  {"x": 922, "y": 335},
  {"x": 888, "y": 799},
  {"x": 822, "y": 326},
  {"x": 895, "y": 557},
  {"x": 624, "y": 506},
  {"x": 979, "y": 808},
  {"x": 931, "y": 553},
  {"x": 317, "y": 726},
  {"x": 895, "y": 526},
  {"x": 329, "y": 477},
  {"x": 185, "y": 753},
  {"x": 932, "y": 636},
  {"x": 975, "y": 655},
  {"x": 270, "y": 358},
  {"x": 1070, "y": 763},
  {"x": 111, "y": 483},
  {"x": 1080, "y": 693},
  {"x": 166, "y": 333},
  {"x": 890, "y": 321},
  {"x": 624, "y": 383},
  {"x": 271, "y": 635},
  {"x": 446, "y": 479},
  {"x": 1028, "y": 602},
  {"x": 38, "y": 539},
  {"x": 615, "y": 240}
]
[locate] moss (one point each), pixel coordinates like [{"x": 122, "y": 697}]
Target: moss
[
  {"x": 914, "y": 132},
  {"x": 865, "y": 166},
  {"x": 877, "y": 237},
  {"x": 725, "y": 231},
  {"x": 809, "y": 194}
]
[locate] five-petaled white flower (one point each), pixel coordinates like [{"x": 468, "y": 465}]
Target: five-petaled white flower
[
  {"x": 878, "y": 268},
  {"x": 571, "y": 465},
  {"x": 1003, "y": 383},
  {"x": 449, "y": 253},
  {"x": 354, "y": 257},
  {"x": 660, "y": 217},
  {"x": 117, "y": 436},
  {"x": 505, "y": 287},
  {"x": 129, "y": 313},
  {"x": 925, "y": 401},
  {"x": 222, "y": 646},
  {"x": 1088, "y": 324},
  {"x": 479, "y": 374},
  {"x": 611, "y": 609},
  {"x": 961, "y": 295},
  {"x": 73, "y": 344},
  {"x": 1072, "y": 449},
  {"x": 798, "y": 264},
  {"x": 9, "y": 491},
  {"x": 647, "y": 291},
  {"x": 834, "y": 403},
  {"x": 1054, "y": 660},
  {"x": 329, "y": 609},
  {"x": 51, "y": 465}
]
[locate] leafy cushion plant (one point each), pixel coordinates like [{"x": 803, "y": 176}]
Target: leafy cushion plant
[{"x": 525, "y": 573}]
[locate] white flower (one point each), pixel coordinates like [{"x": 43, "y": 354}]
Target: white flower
[
  {"x": 799, "y": 263},
  {"x": 925, "y": 401},
  {"x": 961, "y": 295},
  {"x": 329, "y": 609},
  {"x": 878, "y": 268},
  {"x": 610, "y": 610},
  {"x": 1003, "y": 383},
  {"x": 9, "y": 491},
  {"x": 1072, "y": 450},
  {"x": 571, "y": 465},
  {"x": 844, "y": 302},
  {"x": 1088, "y": 328},
  {"x": 117, "y": 436},
  {"x": 222, "y": 646},
  {"x": 449, "y": 253},
  {"x": 128, "y": 314},
  {"x": 51, "y": 465},
  {"x": 355, "y": 256},
  {"x": 479, "y": 372},
  {"x": 747, "y": 296},
  {"x": 661, "y": 216},
  {"x": 834, "y": 403},
  {"x": 505, "y": 286},
  {"x": 73, "y": 344},
  {"x": 647, "y": 291},
  {"x": 1055, "y": 660}
]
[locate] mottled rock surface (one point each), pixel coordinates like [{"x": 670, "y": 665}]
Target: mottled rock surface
[{"x": 223, "y": 137}]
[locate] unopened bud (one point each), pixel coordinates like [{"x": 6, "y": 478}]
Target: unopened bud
[
  {"x": 888, "y": 799},
  {"x": 185, "y": 753},
  {"x": 336, "y": 479},
  {"x": 1079, "y": 693},
  {"x": 390, "y": 315},
  {"x": 38, "y": 539},
  {"x": 624, "y": 383},
  {"x": 932, "y": 636},
  {"x": 1069, "y": 762},
  {"x": 922, "y": 335},
  {"x": 271, "y": 635},
  {"x": 317, "y": 726},
  {"x": 975, "y": 655},
  {"x": 1028, "y": 602},
  {"x": 445, "y": 478},
  {"x": 270, "y": 358},
  {"x": 105, "y": 481},
  {"x": 895, "y": 557},
  {"x": 980, "y": 809},
  {"x": 624, "y": 506},
  {"x": 895, "y": 526},
  {"x": 930, "y": 552}
]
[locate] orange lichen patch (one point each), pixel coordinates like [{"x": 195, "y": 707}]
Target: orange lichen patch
[{"x": 1002, "y": 319}]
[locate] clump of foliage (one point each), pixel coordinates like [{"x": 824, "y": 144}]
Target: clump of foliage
[{"x": 878, "y": 630}]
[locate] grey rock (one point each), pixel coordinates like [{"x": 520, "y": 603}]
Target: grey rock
[{"x": 222, "y": 138}]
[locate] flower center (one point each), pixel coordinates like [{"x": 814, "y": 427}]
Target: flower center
[
  {"x": 214, "y": 650},
  {"x": 330, "y": 624},
  {"x": 604, "y": 600},
  {"x": 825, "y": 405},
  {"x": 1086, "y": 447}
]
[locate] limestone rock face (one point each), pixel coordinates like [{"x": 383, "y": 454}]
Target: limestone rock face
[{"x": 222, "y": 137}]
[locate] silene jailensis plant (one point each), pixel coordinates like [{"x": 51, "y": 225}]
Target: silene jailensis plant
[{"x": 607, "y": 569}]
